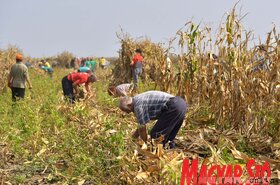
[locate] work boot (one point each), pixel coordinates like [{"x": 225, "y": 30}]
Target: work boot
[{"x": 171, "y": 144}]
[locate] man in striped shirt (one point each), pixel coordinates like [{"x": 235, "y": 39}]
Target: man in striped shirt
[{"x": 151, "y": 105}]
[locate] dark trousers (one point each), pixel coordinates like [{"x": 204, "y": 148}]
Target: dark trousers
[
  {"x": 170, "y": 119},
  {"x": 67, "y": 88},
  {"x": 17, "y": 93}
]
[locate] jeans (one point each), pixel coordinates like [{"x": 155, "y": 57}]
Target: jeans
[
  {"x": 136, "y": 74},
  {"x": 170, "y": 120}
]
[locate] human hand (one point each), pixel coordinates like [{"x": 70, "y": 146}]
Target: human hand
[
  {"x": 76, "y": 91},
  {"x": 30, "y": 87},
  {"x": 10, "y": 84},
  {"x": 135, "y": 134}
]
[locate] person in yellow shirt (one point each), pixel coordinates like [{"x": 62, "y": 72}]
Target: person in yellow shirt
[
  {"x": 47, "y": 67},
  {"x": 46, "y": 64},
  {"x": 102, "y": 62}
]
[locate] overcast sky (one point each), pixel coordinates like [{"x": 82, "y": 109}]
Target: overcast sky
[{"x": 88, "y": 27}]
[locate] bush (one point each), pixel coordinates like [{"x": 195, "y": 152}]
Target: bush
[{"x": 64, "y": 58}]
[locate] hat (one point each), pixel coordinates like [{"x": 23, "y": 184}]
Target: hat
[{"x": 19, "y": 57}]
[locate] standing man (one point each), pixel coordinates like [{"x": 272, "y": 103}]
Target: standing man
[
  {"x": 90, "y": 63},
  {"x": 261, "y": 58},
  {"x": 17, "y": 79},
  {"x": 73, "y": 63},
  {"x": 102, "y": 62},
  {"x": 137, "y": 67},
  {"x": 71, "y": 83},
  {"x": 167, "y": 109}
]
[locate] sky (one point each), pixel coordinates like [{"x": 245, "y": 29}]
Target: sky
[{"x": 42, "y": 28}]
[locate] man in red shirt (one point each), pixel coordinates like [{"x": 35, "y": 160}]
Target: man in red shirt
[
  {"x": 137, "y": 67},
  {"x": 72, "y": 81}
]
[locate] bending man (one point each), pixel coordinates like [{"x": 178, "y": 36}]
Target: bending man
[
  {"x": 151, "y": 105},
  {"x": 72, "y": 82}
]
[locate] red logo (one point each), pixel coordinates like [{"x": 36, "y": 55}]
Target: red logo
[{"x": 224, "y": 174}]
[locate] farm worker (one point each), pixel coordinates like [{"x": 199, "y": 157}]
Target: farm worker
[
  {"x": 72, "y": 82},
  {"x": 91, "y": 64},
  {"x": 40, "y": 64},
  {"x": 78, "y": 61},
  {"x": 213, "y": 63},
  {"x": 46, "y": 64},
  {"x": 83, "y": 62},
  {"x": 102, "y": 62},
  {"x": 47, "y": 67},
  {"x": 137, "y": 67},
  {"x": 17, "y": 78},
  {"x": 43, "y": 64},
  {"x": 260, "y": 57},
  {"x": 84, "y": 69},
  {"x": 28, "y": 64},
  {"x": 151, "y": 105},
  {"x": 120, "y": 90}
]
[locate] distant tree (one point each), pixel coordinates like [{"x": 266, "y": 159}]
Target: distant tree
[{"x": 63, "y": 59}]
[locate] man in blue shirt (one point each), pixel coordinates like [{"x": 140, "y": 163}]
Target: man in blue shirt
[{"x": 151, "y": 105}]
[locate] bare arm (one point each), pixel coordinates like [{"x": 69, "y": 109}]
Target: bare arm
[
  {"x": 135, "y": 134},
  {"x": 75, "y": 86},
  {"x": 131, "y": 62},
  {"x": 28, "y": 82},
  {"x": 27, "y": 78},
  {"x": 88, "y": 87},
  {"x": 142, "y": 131}
]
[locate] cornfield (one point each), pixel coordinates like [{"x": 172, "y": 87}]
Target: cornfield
[
  {"x": 237, "y": 96},
  {"x": 232, "y": 106},
  {"x": 7, "y": 59},
  {"x": 233, "y": 112}
]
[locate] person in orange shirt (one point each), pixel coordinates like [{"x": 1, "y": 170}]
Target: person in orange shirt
[
  {"x": 137, "y": 67},
  {"x": 71, "y": 83}
]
